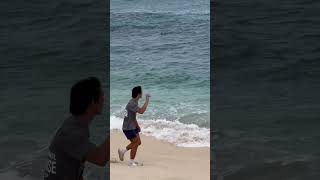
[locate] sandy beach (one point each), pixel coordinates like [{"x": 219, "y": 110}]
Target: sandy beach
[{"x": 161, "y": 161}]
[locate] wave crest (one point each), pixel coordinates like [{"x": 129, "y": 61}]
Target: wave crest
[{"x": 180, "y": 134}]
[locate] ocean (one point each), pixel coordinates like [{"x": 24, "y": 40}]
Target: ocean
[
  {"x": 266, "y": 118},
  {"x": 163, "y": 46},
  {"x": 45, "y": 47}
]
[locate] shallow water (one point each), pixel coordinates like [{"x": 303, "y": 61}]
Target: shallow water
[{"x": 164, "y": 47}]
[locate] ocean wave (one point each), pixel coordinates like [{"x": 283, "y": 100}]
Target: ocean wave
[
  {"x": 180, "y": 134},
  {"x": 150, "y": 12},
  {"x": 158, "y": 23}
]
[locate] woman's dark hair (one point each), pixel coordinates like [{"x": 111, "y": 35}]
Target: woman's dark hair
[
  {"x": 135, "y": 91},
  {"x": 83, "y": 93}
]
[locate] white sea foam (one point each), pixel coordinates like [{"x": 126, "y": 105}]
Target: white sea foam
[{"x": 180, "y": 134}]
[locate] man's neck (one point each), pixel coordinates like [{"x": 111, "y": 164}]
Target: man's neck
[{"x": 85, "y": 119}]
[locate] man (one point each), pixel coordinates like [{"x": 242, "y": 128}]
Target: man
[
  {"x": 131, "y": 127},
  {"x": 71, "y": 148}
]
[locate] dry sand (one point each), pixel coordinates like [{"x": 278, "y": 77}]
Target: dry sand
[{"x": 161, "y": 161}]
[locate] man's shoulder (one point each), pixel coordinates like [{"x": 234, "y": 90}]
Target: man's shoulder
[
  {"x": 133, "y": 102},
  {"x": 71, "y": 131}
]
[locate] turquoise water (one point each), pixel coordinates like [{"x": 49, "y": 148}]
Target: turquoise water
[{"x": 164, "y": 47}]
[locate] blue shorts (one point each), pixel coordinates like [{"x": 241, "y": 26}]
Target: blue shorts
[{"x": 130, "y": 134}]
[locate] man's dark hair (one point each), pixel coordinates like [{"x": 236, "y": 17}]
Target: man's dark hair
[
  {"x": 135, "y": 91},
  {"x": 83, "y": 93}
]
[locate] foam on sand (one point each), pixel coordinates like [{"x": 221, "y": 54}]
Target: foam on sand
[
  {"x": 180, "y": 134},
  {"x": 161, "y": 160}
]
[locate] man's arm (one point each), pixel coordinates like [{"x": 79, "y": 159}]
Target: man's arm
[
  {"x": 100, "y": 155},
  {"x": 144, "y": 107}
]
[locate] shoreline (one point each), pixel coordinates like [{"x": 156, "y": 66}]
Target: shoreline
[{"x": 161, "y": 160}]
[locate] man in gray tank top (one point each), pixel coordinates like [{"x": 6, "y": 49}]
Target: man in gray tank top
[
  {"x": 131, "y": 127},
  {"x": 71, "y": 148}
]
